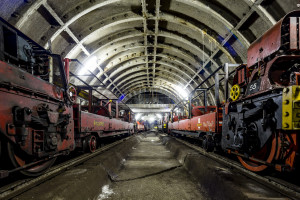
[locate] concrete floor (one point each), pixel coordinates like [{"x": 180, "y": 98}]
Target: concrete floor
[
  {"x": 151, "y": 172},
  {"x": 143, "y": 168}
]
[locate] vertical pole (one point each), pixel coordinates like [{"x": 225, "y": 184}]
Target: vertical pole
[
  {"x": 117, "y": 109},
  {"x": 90, "y": 99},
  {"x": 67, "y": 69},
  {"x": 226, "y": 81},
  {"x": 109, "y": 107},
  {"x": 205, "y": 100},
  {"x": 217, "y": 87},
  {"x": 190, "y": 106},
  {"x": 51, "y": 73},
  {"x": 129, "y": 116}
]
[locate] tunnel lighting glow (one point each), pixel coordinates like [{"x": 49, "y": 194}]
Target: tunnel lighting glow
[
  {"x": 182, "y": 92},
  {"x": 143, "y": 118},
  {"x": 159, "y": 116},
  {"x": 90, "y": 64},
  {"x": 151, "y": 119},
  {"x": 138, "y": 116}
]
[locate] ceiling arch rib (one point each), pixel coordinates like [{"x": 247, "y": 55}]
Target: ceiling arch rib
[
  {"x": 122, "y": 66},
  {"x": 140, "y": 82},
  {"x": 133, "y": 80},
  {"x": 230, "y": 34},
  {"x": 106, "y": 75},
  {"x": 139, "y": 74},
  {"x": 143, "y": 78},
  {"x": 145, "y": 29},
  {"x": 163, "y": 67},
  {"x": 210, "y": 98},
  {"x": 140, "y": 90},
  {"x": 111, "y": 40},
  {"x": 202, "y": 7},
  {"x": 192, "y": 47},
  {"x": 172, "y": 19},
  {"x": 178, "y": 52},
  {"x": 157, "y": 14},
  {"x": 83, "y": 40},
  {"x": 261, "y": 11},
  {"x": 173, "y": 74},
  {"x": 143, "y": 84},
  {"x": 160, "y": 46},
  {"x": 76, "y": 15},
  {"x": 112, "y": 81},
  {"x": 179, "y": 56}
]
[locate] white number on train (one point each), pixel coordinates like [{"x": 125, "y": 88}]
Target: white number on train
[{"x": 253, "y": 86}]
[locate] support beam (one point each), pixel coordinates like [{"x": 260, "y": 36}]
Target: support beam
[
  {"x": 117, "y": 109},
  {"x": 90, "y": 100},
  {"x": 145, "y": 16},
  {"x": 70, "y": 33},
  {"x": 157, "y": 11},
  {"x": 230, "y": 34}
]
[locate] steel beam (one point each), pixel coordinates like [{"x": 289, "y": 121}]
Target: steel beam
[{"x": 145, "y": 16}]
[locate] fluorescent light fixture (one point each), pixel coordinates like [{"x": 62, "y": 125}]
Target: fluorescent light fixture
[
  {"x": 90, "y": 64},
  {"x": 138, "y": 116},
  {"x": 182, "y": 92},
  {"x": 151, "y": 119}
]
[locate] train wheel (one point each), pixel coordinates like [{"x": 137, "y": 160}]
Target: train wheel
[
  {"x": 0, "y": 148},
  {"x": 19, "y": 159},
  {"x": 92, "y": 143},
  {"x": 267, "y": 154},
  {"x": 207, "y": 143}
]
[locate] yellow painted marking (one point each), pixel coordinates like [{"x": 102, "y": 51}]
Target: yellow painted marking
[{"x": 98, "y": 123}]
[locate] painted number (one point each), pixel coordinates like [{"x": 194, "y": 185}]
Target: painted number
[{"x": 253, "y": 86}]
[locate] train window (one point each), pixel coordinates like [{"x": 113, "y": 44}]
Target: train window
[
  {"x": 201, "y": 109},
  {"x": 212, "y": 110},
  {"x": 10, "y": 42},
  {"x": 57, "y": 78}
]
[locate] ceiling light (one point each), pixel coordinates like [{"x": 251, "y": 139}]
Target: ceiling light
[{"x": 90, "y": 64}]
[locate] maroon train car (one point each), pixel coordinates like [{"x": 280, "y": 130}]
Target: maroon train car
[{"x": 38, "y": 118}]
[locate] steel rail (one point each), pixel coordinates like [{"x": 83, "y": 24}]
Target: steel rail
[
  {"x": 17, "y": 188},
  {"x": 288, "y": 189}
]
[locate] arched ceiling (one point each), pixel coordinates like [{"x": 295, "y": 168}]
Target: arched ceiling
[{"x": 166, "y": 46}]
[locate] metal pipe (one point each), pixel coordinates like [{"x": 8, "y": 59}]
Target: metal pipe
[
  {"x": 90, "y": 100},
  {"x": 51, "y": 73},
  {"x": 67, "y": 69},
  {"x": 117, "y": 110},
  {"x": 190, "y": 106},
  {"x": 226, "y": 81},
  {"x": 217, "y": 87}
]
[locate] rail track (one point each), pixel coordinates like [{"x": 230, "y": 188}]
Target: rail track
[
  {"x": 12, "y": 190},
  {"x": 290, "y": 190}
]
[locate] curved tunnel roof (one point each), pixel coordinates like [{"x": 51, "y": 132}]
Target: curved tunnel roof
[{"x": 166, "y": 46}]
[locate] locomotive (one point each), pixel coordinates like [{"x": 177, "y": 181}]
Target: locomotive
[
  {"x": 259, "y": 121},
  {"x": 39, "y": 119}
]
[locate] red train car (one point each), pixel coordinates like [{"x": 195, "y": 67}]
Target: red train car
[
  {"x": 206, "y": 122},
  {"x": 259, "y": 121},
  {"x": 39, "y": 119},
  {"x": 140, "y": 126}
]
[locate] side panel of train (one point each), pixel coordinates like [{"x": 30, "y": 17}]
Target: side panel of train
[
  {"x": 38, "y": 120},
  {"x": 198, "y": 125}
]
